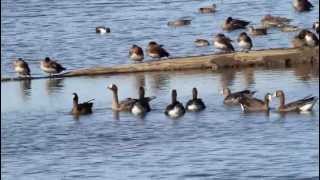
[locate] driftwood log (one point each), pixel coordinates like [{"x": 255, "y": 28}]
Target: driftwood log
[{"x": 281, "y": 57}]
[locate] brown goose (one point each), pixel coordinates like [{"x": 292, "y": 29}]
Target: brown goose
[
  {"x": 302, "y": 5},
  {"x": 51, "y": 67},
  {"x": 21, "y": 67},
  {"x": 155, "y": 50},
  {"x": 311, "y": 39},
  {"x": 233, "y": 98},
  {"x": 315, "y": 26},
  {"x": 195, "y": 104},
  {"x": 305, "y": 104},
  {"x": 274, "y": 21},
  {"x": 257, "y": 31},
  {"x": 179, "y": 22},
  {"x": 208, "y": 9},
  {"x": 245, "y": 42},
  {"x": 125, "y": 105},
  {"x": 232, "y": 24},
  {"x": 136, "y": 53},
  {"x": 102, "y": 30},
  {"x": 220, "y": 41},
  {"x": 175, "y": 109},
  {"x": 83, "y": 108},
  {"x": 201, "y": 42},
  {"x": 253, "y": 104},
  {"x": 141, "y": 106}
]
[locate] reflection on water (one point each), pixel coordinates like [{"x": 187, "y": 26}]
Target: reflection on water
[
  {"x": 54, "y": 85},
  {"x": 227, "y": 77},
  {"x": 159, "y": 80},
  {"x": 248, "y": 74},
  {"x": 25, "y": 87},
  {"x": 306, "y": 71}
]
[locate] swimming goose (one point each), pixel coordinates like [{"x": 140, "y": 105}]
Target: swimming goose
[
  {"x": 141, "y": 106},
  {"x": 315, "y": 26},
  {"x": 233, "y": 24},
  {"x": 305, "y": 104},
  {"x": 253, "y": 104},
  {"x": 302, "y": 5},
  {"x": 195, "y": 104},
  {"x": 175, "y": 109},
  {"x": 83, "y": 108},
  {"x": 311, "y": 39},
  {"x": 21, "y": 67},
  {"x": 208, "y": 9},
  {"x": 179, "y": 22},
  {"x": 51, "y": 67},
  {"x": 274, "y": 21},
  {"x": 125, "y": 105},
  {"x": 201, "y": 42},
  {"x": 233, "y": 98},
  {"x": 136, "y": 53},
  {"x": 245, "y": 42},
  {"x": 257, "y": 31},
  {"x": 102, "y": 30},
  {"x": 220, "y": 41},
  {"x": 155, "y": 50}
]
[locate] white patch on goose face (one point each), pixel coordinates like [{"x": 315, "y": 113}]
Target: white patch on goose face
[
  {"x": 174, "y": 112},
  {"x": 219, "y": 45},
  {"x": 110, "y": 86},
  {"x": 136, "y": 110},
  {"x": 306, "y": 107},
  {"x": 192, "y": 107},
  {"x": 242, "y": 107}
]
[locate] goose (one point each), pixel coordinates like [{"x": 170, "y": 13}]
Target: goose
[
  {"x": 175, "y": 109},
  {"x": 299, "y": 40},
  {"x": 195, "y": 104},
  {"x": 136, "y": 53},
  {"x": 125, "y": 105},
  {"x": 141, "y": 106},
  {"x": 245, "y": 42},
  {"x": 249, "y": 104},
  {"x": 51, "y": 67},
  {"x": 257, "y": 31},
  {"x": 302, "y": 5},
  {"x": 102, "y": 30},
  {"x": 21, "y": 67},
  {"x": 274, "y": 21},
  {"x": 179, "y": 22},
  {"x": 83, "y": 108},
  {"x": 208, "y": 9},
  {"x": 233, "y": 24},
  {"x": 315, "y": 26},
  {"x": 155, "y": 50},
  {"x": 201, "y": 42},
  {"x": 220, "y": 41},
  {"x": 305, "y": 104},
  {"x": 233, "y": 98},
  {"x": 311, "y": 39}
]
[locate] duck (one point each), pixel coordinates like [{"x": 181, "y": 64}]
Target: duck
[
  {"x": 231, "y": 24},
  {"x": 299, "y": 40},
  {"x": 82, "y": 108},
  {"x": 195, "y": 104},
  {"x": 315, "y": 26},
  {"x": 125, "y": 105},
  {"x": 233, "y": 98},
  {"x": 302, "y": 5},
  {"x": 136, "y": 53},
  {"x": 201, "y": 42},
  {"x": 155, "y": 50},
  {"x": 141, "y": 106},
  {"x": 51, "y": 67},
  {"x": 222, "y": 42},
  {"x": 208, "y": 9},
  {"x": 257, "y": 31},
  {"x": 102, "y": 30},
  {"x": 175, "y": 109},
  {"x": 249, "y": 104},
  {"x": 302, "y": 105},
  {"x": 245, "y": 42},
  {"x": 274, "y": 21},
  {"x": 21, "y": 67},
  {"x": 311, "y": 39},
  {"x": 288, "y": 28},
  {"x": 179, "y": 22}
]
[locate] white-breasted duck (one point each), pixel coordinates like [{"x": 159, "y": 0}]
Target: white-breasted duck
[
  {"x": 302, "y": 5},
  {"x": 175, "y": 109},
  {"x": 208, "y": 9},
  {"x": 21, "y": 67},
  {"x": 249, "y": 104},
  {"x": 305, "y": 104},
  {"x": 81, "y": 108},
  {"x": 195, "y": 104},
  {"x": 257, "y": 31},
  {"x": 233, "y": 98},
  {"x": 102, "y": 30},
  {"x": 233, "y": 24},
  {"x": 136, "y": 53},
  {"x": 156, "y": 50},
  {"x": 51, "y": 67},
  {"x": 201, "y": 42},
  {"x": 125, "y": 105},
  {"x": 142, "y": 106},
  {"x": 311, "y": 39},
  {"x": 244, "y": 42},
  {"x": 220, "y": 41}
]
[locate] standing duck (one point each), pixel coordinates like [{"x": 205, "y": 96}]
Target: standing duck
[
  {"x": 253, "y": 104},
  {"x": 136, "y": 53},
  {"x": 51, "y": 67},
  {"x": 220, "y": 41},
  {"x": 311, "y": 39},
  {"x": 21, "y": 67},
  {"x": 257, "y": 31},
  {"x": 83, "y": 108},
  {"x": 302, "y": 5},
  {"x": 102, "y": 30},
  {"x": 245, "y": 42},
  {"x": 125, "y": 105},
  {"x": 233, "y": 98},
  {"x": 315, "y": 26},
  {"x": 195, "y": 104},
  {"x": 274, "y": 21},
  {"x": 141, "y": 106},
  {"x": 155, "y": 50},
  {"x": 305, "y": 104},
  {"x": 232, "y": 24},
  {"x": 175, "y": 109},
  {"x": 208, "y": 9}
]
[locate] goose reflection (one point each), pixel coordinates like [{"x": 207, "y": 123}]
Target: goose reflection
[
  {"x": 305, "y": 72},
  {"x": 249, "y": 78},
  {"x": 140, "y": 80},
  {"x": 25, "y": 86},
  {"x": 159, "y": 80},
  {"x": 54, "y": 85},
  {"x": 227, "y": 77}
]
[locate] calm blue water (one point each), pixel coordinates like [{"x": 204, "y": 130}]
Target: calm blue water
[{"x": 41, "y": 140}]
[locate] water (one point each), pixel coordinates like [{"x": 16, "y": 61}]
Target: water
[{"x": 41, "y": 140}]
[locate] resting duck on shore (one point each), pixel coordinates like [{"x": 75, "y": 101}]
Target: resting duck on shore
[
  {"x": 232, "y": 24},
  {"x": 155, "y": 50},
  {"x": 244, "y": 42},
  {"x": 220, "y": 41},
  {"x": 302, "y": 5},
  {"x": 253, "y": 104},
  {"x": 51, "y": 67},
  {"x": 141, "y": 106},
  {"x": 21, "y": 67},
  {"x": 82, "y": 108},
  {"x": 233, "y": 98},
  {"x": 305, "y": 104},
  {"x": 175, "y": 109},
  {"x": 208, "y": 9},
  {"x": 299, "y": 40},
  {"x": 125, "y": 105},
  {"x": 136, "y": 53},
  {"x": 311, "y": 39},
  {"x": 195, "y": 104}
]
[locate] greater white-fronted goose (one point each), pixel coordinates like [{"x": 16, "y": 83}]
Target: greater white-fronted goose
[
  {"x": 257, "y": 31},
  {"x": 245, "y": 42},
  {"x": 51, "y": 67},
  {"x": 125, "y": 105},
  {"x": 233, "y": 24},
  {"x": 21, "y": 67},
  {"x": 249, "y": 104},
  {"x": 136, "y": 53},
  {"x": 233, "y": 98},
  {"x": 102, "y": 30},
  {"x": 315, "y": 26},
  {"x": 82, "y": 108},
  {"x": 175, "y": 109},
  {"x": 311, "y": 39},
  {"x": 141, "y": 106},
  {"x": 302, "y": 5},
  {"x": 195, "y": 104},
  {"x": 208, "y": 9},
  {"x": 179, "y": 22},
  {"x": 201, "y": 42},
  {"x": 305, "y": 104},
  {"x": 274, "y": 21},
  {"x": 156, "y": 50},
  {"x": 220, "y": 41}
]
